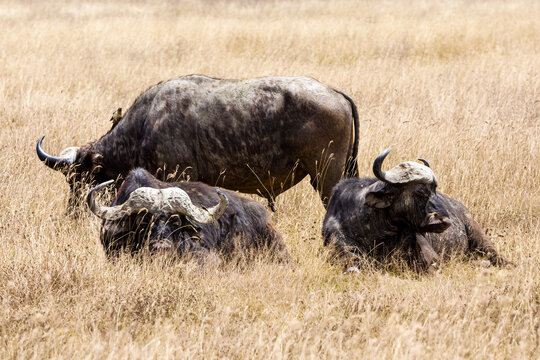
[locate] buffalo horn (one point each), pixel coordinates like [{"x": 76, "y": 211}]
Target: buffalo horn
[
  {"x": 169, "y": 201},
  {"x": 100, "y": 211},
  {"x": 404, "y": 173},
  {"x": 52, "y": 161},
  {"x": 424, "y": 161},
  {"x": 183, "y": 205},
  {"x": 377, "y": 165}
]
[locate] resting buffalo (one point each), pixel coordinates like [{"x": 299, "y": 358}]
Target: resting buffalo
[
  {"x": 184, "y": 217},
  {"x": 401, "y": 210},
  {"x": 259, "y": 136}
]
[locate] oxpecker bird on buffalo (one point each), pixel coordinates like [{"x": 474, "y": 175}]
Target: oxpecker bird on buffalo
[{"x": 259, "y": 136}]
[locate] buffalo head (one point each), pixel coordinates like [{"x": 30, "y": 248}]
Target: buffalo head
[
  {"x": 408, "y": 192},
  {"x": 160, "y": 217},
  {"x": 80, "y": 165}
]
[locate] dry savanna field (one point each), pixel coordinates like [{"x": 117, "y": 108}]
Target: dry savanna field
[{"x": 456, "y": 82}]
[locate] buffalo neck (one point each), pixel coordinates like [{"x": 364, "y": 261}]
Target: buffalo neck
[{"x": 120, "y": 147}]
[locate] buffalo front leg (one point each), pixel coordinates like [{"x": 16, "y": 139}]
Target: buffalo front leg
[
  {"x": 428, "y": 254},
  {"x": 342, "y": 250}
]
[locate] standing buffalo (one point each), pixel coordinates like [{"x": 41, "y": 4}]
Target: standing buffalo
[
  {"x": 188, "y": 218},
  {"x": 259, "y": 136},
  {"x": 401, "y": 210}
]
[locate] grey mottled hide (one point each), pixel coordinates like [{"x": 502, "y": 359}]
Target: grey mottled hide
[{"x": 258, "y": 136}]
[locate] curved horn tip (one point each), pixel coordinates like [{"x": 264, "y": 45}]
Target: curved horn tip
[
  {"x": 425, "y": 162},
  {"x": 380, "y": 158},
  {"x": 92, "y": 204},
  {"x": 51, "y": 161},
  {"x": 106, "y": 183},
  {"x": 39, "y": 149},
  {"x": 97, "y": 187},
  {"x": 220, "y": 192},
  {"x": 223, "y": 197},
  {"x": 221, "y": 207},
  {"x": 42, "y": 155},
  {"x": 377, "y": 165}
]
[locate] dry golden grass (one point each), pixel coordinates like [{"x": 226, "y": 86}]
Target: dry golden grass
[{"x": 456, "y": 82}]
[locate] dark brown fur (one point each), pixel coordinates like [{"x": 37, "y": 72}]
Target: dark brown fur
[{"x": 355, "y": 228}]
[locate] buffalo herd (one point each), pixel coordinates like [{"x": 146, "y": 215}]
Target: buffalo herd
[{"x": 208, "y": 138}]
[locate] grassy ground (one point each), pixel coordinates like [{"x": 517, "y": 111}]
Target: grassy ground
[{"x": 456, "y": 82}]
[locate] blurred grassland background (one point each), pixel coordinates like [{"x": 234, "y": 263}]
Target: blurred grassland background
[{"x": 455, "y": 82}]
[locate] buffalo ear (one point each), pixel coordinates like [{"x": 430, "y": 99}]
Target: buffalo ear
[
  {"x": 96, "y": 159},
  {"x": 91, "y": 161},
  {"x": 380, "y": 197}
]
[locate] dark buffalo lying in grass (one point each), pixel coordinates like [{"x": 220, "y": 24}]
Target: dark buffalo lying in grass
[
  {"x": 401, "y": 210},
  {"x": 185, "y": 218},
  {"x": 259, "y": 136}
]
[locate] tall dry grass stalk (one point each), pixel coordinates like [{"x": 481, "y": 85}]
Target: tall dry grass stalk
[{"x": 456, "y": 82}]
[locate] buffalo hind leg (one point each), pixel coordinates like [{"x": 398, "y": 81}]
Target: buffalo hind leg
[
  {"x": 479, "y": 242},
  {"x": 324, "y": 180}
]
